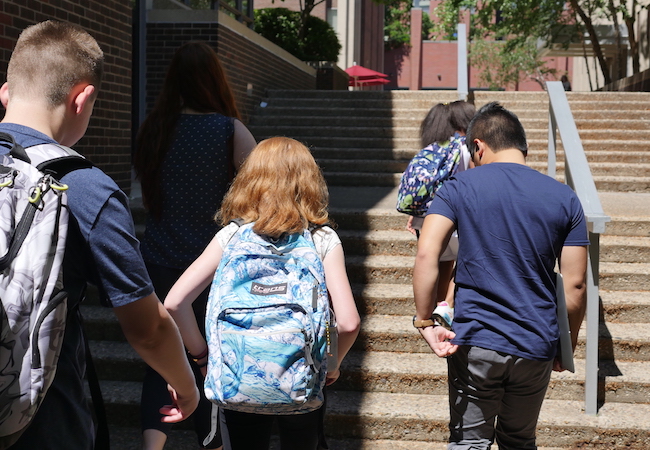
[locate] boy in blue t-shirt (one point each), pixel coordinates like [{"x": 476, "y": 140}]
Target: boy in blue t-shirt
[
  {"x": 51, "y": 88},
  {"x": 513, "y": 224}
]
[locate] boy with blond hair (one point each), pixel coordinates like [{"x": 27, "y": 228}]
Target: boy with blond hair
[{"x": 52, "y": 82}]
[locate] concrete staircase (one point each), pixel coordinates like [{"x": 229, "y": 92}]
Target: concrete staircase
[{"x": 392, "y": 393}]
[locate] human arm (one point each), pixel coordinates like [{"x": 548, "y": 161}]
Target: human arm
[
  {"x": 154, "y": 335},
  {"x": 345, "y": 309},
  {"x": 573, "y": 267},
  {"x": 188, "y": 287},
  {"x": 243, "y": 143},
  {"x": 434, "y": 237},
  {"x": 409, "y": 226}
]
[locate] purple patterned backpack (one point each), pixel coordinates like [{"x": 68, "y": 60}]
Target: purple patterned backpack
[{"x": 425, "y": 174}]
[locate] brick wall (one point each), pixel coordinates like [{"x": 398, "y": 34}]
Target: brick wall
[
  {"x": 108, "y": 139},
  {"x": 252, "y": 63},
  {"x": 258, "y": 68}
]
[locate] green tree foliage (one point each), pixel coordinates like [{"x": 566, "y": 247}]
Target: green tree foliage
[
  {"x": 397, "y": 23},
  {"x": 518, "y": 21},
  {"x": 282, "y": 27},
  {"x": 500, "y": 68}
]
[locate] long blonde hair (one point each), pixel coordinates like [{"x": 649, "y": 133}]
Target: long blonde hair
[{"x": 279, "y": 187}]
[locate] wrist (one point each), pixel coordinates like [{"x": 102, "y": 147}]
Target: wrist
[
  {"x": 201, "y": 356},
  {"x": 424, "y": 323}
]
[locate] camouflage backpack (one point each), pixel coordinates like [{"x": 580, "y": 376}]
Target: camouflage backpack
[{"x": 33, "y": 229}]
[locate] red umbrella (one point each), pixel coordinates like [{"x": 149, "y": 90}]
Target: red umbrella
[
  {"x": 360, "y": 71},
  {"x": 368, "y": 81},
  {"x": 362, "y": 76}
]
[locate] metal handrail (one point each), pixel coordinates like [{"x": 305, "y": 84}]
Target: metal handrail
[{"x": 578, "y": 176}]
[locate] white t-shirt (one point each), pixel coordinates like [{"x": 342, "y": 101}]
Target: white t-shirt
[{"x": 325, "y": 238}]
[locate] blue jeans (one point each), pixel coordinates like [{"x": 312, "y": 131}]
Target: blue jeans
[{"x": 487, "y": 386}]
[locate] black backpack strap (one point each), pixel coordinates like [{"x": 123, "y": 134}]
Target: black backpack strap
[
  {"x": 102, "y": 438},
  {"x": 60, "y": 167},
  {"x": 15, "y": 150}
]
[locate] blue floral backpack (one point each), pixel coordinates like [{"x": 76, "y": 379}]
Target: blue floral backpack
[
  {"x": 426, "y": 172},
  {"x": 267, "y": 325}
]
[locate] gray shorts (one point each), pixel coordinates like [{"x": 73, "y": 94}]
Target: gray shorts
[{"x": 485, "y": 387}]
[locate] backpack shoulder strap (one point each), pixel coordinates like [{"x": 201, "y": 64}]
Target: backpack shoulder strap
[{"x": 57, "y": 159}]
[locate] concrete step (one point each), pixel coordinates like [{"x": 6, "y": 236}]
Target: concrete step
[
  {"x": 413, "y": 368},
  {"x": 410, "y": 119},
  {"x": 415, "y": 373},
  {"x": 412, "y": 133},
  {"x": 617, "y": 341},
  {"x": 531, "y": 116},
  {"x": 383, "y": 179},
  {"x": 375, "y": 165},
  {"x": 414, "y": 418},
  {"x": 398, "y": 270},
  {"x": 627, "y": 249},
  {"x": 129, "y": 439},
  {"x": 397, "y": 299},
  {"x": 433, "y": 96},
  {"x": 538, "y": 156},
  {"x": 359, "y": 141}
]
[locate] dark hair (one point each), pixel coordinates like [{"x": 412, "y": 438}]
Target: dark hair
[
  {"x": 499, "y": 128},
  {"x": 444, "y": 119},
  {"x": 196, "y": 80}
]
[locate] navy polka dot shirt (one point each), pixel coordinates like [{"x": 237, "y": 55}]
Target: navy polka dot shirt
[{"x": 194, "y": 181}]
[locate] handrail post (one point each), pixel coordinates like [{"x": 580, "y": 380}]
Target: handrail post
[
  {"x": 552, "y": 143},
  {"x": 578, "y": 176},
  {"x": 593, "y": 309}
]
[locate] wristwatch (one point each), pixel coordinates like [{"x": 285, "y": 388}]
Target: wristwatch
[{"x": 424, "y": 323}]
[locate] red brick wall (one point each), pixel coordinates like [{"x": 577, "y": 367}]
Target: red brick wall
[
  {"x": 439, "y": 68},
  {"x": 108, "y": 139}
]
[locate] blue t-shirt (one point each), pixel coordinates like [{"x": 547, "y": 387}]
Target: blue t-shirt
[
  {"x": 101, "y": 247},
  {"x": 194, "y": 178},
  {"x": 512, "y": 223}
]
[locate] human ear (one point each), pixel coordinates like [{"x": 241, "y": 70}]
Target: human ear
[
  {"x": 4, "y": 94},
  {"x": 82, "y": 97}
]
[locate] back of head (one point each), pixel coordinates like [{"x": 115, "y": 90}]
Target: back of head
[
  {"x": 196, "y": 80},
  {"x": 443, "y": 120},
  {"x": 49, "y": 59},
  {"x": 461, "y": 114},
  {"x": 499, "y": 128},
  {"x": 279, "y": 187}
]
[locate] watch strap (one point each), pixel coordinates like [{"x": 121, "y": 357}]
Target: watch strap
[{"x": 424, "y": 323}]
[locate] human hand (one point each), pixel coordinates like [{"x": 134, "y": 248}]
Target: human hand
[
  {"x": 332, "y": 376},
  {"x": 181, "y": 407},
  {"x": 438, "y": 339},
  {"x": 409, "y": 226},
  {"x": 557, "y": 365}
]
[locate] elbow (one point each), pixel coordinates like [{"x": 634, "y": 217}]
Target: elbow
[
  {"x": 351, "y": 325},
  {"x": 151, "y": 337}
]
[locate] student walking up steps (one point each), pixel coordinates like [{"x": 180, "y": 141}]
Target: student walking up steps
[{"x": 281, "y": 193}]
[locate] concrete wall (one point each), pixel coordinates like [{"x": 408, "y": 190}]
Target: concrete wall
[
  {"x": 252, "y": 63},
  {"x": 108, "y": 139}
]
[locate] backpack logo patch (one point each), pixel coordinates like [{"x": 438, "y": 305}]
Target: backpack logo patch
[{"x": 261, "y": 289}]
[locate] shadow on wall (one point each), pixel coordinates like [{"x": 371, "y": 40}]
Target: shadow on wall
[{"x": 394, "y": 65}]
